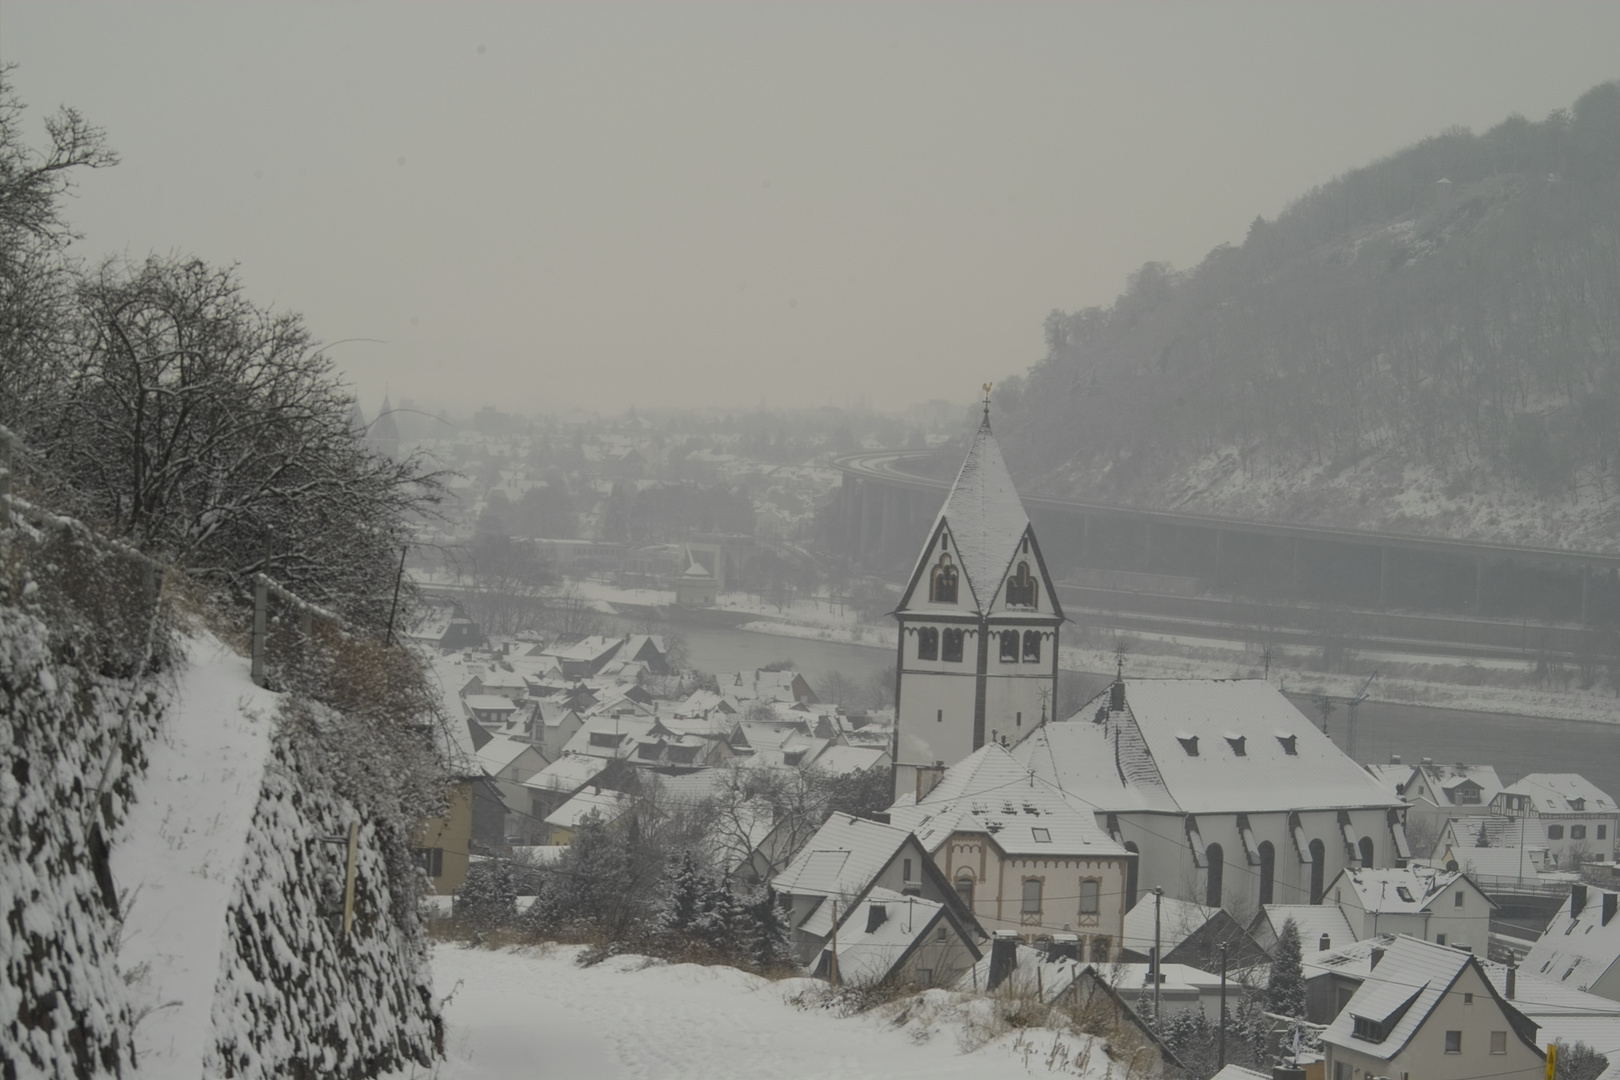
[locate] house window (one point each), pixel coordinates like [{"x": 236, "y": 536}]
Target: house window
[
  {"x": 1457, "y": 900},
  {"x": 942, "y": 585},
  {"x": 1366, "y": 847},
  {"x": 1090, "y": 896},
  {"x": 939, "y": 716},
  {"x": 1453, "y": 1042},
  {"x": 953, "y": 645},
  {"x": 431, "y": 860},
  {"x": 964, "y": 889},
  {"x": 925, "y": 977},
  {"x": 1498, "y": 1042},
  {"x": 1100, "y": 945},
  {"x": 1366, "y": 1029},
  {"x": 1555, "y": 832},
  {"x": 928, "y": 643},
  {"x": 1021, "y": 589},
  {"x": 1603, "y": 832},
  {"x": 1217, "y": 865},
  {"x": 1577, "y": 804},
  {"x": 1009, "y": 646},
  {"x": 1577, "y": 832},
  {"x": 1032, "y": 896},
  {"x": 1439, "y": 939},
  {"x": 905, "y": 869},
  {"x": 1468, "y": 999},
  {"x": 1032, "y": 647},
  {"x": 1318, "y": 852},
  {"x": 1268, "y": 871}
]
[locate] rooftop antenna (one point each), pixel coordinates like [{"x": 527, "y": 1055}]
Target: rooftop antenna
[{"x": 987, "y": 403}]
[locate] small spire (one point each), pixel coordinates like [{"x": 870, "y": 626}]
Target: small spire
[{"x": 987, "y": 403}]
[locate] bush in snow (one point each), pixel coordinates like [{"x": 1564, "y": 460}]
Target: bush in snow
[{"x": 487, "y": 900}]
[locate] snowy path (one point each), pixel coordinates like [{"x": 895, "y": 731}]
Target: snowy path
[{"x": 521, "y": 1014}]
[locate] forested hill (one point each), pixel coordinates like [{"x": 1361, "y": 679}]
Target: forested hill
[{"x": 1387, "y": 353}]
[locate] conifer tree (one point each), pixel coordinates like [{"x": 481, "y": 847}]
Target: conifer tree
[
  {"x": 685, "y": 896},
  {"x": 487, "y": 899},
  {"x": 1285, "y": 990}
]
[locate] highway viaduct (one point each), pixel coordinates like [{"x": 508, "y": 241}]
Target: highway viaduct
[{"x": 1152, "y": 569}]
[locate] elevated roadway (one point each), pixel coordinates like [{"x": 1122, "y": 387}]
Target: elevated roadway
[{"x": 1213, "y": 576}]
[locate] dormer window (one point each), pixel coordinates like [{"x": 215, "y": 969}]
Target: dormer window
[
  {"x": 1577, "y": 804},
  {"x": 1021, "y": 588},
  {"x": 1367, "y": 1029},
  {"x": 1237, "y": 743},
  {"x": 1290, "y": 744},
  {"x": 1188, "y": 743},
  {"x": 942, "y": 583}
]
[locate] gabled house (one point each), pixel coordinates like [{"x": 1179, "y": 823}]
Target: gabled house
[
  {"x": 767, "y": 686},
  {"x": 489, "y": 711},
  {"x": 560, "y": 781},
  {"x": 889, "y": 938},
  {"x": 1321, "y": 926},
  {"x": 444, "y": 626},
  {"x": 1442, "y": 906},
  {"x": 584, "y": 657},
  {"x": 615, "y": 809},
  {"x": 495, "y": 678},
  {"x": 1229, "y": 793},
  {"x": 608, "y": 736},
  {"x": 1581, "y": 945},
  {"x": 1023, "y": 855},
  {"x": 1437, "y": 793},
  {"x": 1580, "y": 818},
  {"x": 846, "y": 859},
  {"x": 1188, "y": 933},
  {"x": 1428, "y": 1012}
]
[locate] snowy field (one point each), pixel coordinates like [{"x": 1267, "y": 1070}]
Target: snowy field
[{"x": 519, "y": 1013}]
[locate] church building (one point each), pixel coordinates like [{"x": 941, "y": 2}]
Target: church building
[{"x": 977, "y": 654}]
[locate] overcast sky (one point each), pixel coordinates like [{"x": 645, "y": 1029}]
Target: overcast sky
[{"x": 538, "y": 206}]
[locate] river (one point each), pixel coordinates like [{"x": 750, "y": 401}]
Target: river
[{"x": 1516, "y": 745}]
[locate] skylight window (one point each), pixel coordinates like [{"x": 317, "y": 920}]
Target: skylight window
[
  {"x": 1042, "y": 836},
  {"x": 1404, "y": 893}
]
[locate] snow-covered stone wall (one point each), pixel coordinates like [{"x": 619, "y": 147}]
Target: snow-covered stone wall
[
  {"x": 296, "y": 997},
  {"x": 78, "y": 704}
]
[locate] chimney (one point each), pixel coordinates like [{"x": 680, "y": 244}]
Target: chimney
[
  {"x": 1325, "y": 944},
  {"x": 1064, "y": 947},
  {"x": 1512, "y": 982},
  {"x": 1116, "y": 696},
  {"x": 1377, "y": 955},
  {"x": 876, "y": 916},
  {"x": 1394, "y": 759},
  {"x": 1003, "y": 958},
  {"x": 1610, "y": 903},
  {"x": 1577, "y": 900},
  {"x": 1428, "y": 761},
  {"x": 1287, "y": 1072}
]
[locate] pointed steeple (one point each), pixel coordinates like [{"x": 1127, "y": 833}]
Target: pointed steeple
[
  {"x": 384, "y": 433},
  {"x": 357, "y": 419},
  {"x": 985, "y": 517}
]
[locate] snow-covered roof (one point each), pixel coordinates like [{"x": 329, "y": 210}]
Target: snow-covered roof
[
  {"x": 1200, "y": 746},
  {"x": 1352, "y": 960},
  {"x": 1577, "y": 949},
  {"x": 1562, "y": 793},
  {"x": 608, "y": 736},
  {"x": 608, "y": 805},
  {"x": 843, "y": 857},
  {"x": 866, "y": 956},
  {"x": 1032, "y": 971},
  {"x": 1442, "y": 784},
  {"x": 1178, "y": 920},
  {"x": 1399, "y": 993},
  {"x": 1238, "y": 1072},
  {"x": 500, "y": 752},
  {"x": 585, "y": 649},
  {"x": 845, "y": 760},
  {"x": 1396, "y": 890},
  {"x": 489, "y": 703},
  {"x": 1312, "y": 920},
  {"x": 568, "y": 773},
  {"x": 990, "y": 792},
  {"x": 985, "y": 517}
]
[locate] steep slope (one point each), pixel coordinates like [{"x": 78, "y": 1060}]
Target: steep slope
[{"x": 1392, "y": 351}]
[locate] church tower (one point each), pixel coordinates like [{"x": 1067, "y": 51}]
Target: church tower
[{"x": 977, "y": 656}]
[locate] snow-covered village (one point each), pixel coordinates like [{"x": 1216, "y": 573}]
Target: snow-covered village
[{"x": 642, "y": 541}]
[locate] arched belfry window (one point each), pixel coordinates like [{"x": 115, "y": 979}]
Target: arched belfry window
[
  {"x": 942, "y": 585},
  {"x": 1032, "y": 647},
  {"x": 928, "y": 643},
  {"x": 1009, "y": 646},
  {"x": 1021, "y": 588}
]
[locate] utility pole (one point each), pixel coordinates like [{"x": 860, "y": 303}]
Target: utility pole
[
  {"x": 832, "y": 965},
  {"x": 1158, "y": 958},
  {"x": 1222, "y": 1041}
]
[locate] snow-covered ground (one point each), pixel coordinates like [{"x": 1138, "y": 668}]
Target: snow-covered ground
[{"x": 519, "y": 1013}]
